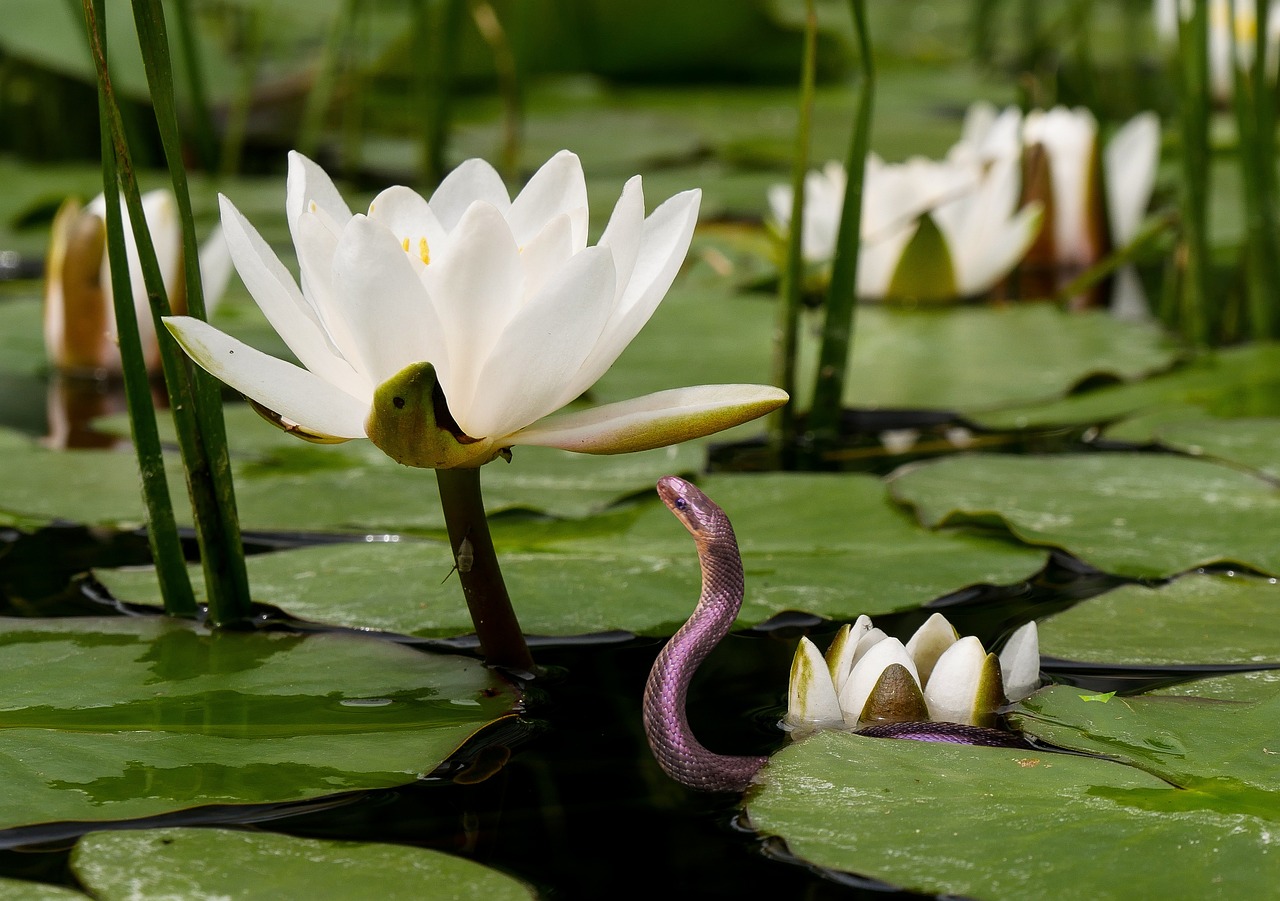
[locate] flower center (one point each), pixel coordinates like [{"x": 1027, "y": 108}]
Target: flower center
[{"x": 424, "y": 252}]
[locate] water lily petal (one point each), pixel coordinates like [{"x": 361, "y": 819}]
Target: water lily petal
[
  {"x": 866, "y": 673},
  {"x": 476, "y": 290},
  {"x": 1129, "y": 163},
  {"x": 545, "y": 254},
  {"x": 965, "y": 685},
  {"x": 664, "y": 242},
  {"x": 1069, "y": 137},
  {"x": 624, "y": 232},
  {"x": 280, "y": 300},
  {"x": 541, "y": 347},
  {"x": 842, "y": 652},
  {"x": 409, "y": 216},
  {"x": 309, "y": 184},
  {"x": 378, "y": 291},
  {"x": 215, "y": 269},
  {"x": 1020, "y": 662},
  {"x": 472, "y": 181},
  {"x": 929, "y": 642},
  {"x": 557, "y": 187},
  {"x": 811, "y": 698},
  {"x": 290, "y": 391},
  {"x": 654, "y": 420}
]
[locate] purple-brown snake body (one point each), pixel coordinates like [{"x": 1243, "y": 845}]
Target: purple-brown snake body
[{"x": 678, "y": 752}]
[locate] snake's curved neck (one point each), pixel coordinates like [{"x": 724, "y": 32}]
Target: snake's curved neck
[{"x": 679, "y": 753}]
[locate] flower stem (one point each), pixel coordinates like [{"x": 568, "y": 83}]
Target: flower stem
[{"x": 501, "y": 640}]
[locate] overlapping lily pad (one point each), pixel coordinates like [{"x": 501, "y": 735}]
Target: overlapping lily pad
[
  {"x": 1252, "y": 443},
  {"x": 220, "y": 863},
  {"x": 1138, "y": 515},
  {"x": 117, "y": 718},
  {"x": 17, "y": 890},
  {"x": 1196, "y": 619},
  {"x": 830, "y": 545},
  {"x": 994, "y": 823},
  {"x": 978, "y": 358}
]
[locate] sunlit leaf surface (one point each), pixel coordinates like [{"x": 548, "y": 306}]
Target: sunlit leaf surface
[
  {"x": 1139, "y": 515},
  {"x": 116, "y": 718},
  {"x": 993, "y": 823},
  {"x": 1141, "y": 626},
  {"x": 219, "y": 863}
]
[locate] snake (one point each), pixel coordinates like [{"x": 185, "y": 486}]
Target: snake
[{"x": 666, "y": 723}]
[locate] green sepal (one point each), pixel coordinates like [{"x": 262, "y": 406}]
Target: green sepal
[
  {"x": 896, "y": 698},
  {"x": 925, "y": 271},
  {"x": 410, "y": 422}
]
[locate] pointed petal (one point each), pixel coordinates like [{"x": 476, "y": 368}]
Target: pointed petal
[
  {"x": 215, "y": 269},
  {"x": 288, "y": 311},
  {"x": 664, "y": 242},
  {"x": 476, "y": 290},
  {"x": 929, "y": 643},
  {"x": 625, "y": 232},
  {"x": 965, "y": 686},
  {"x": 1129, "y": 162},
  {"x": 841, "y": 653},
  {"x": 866, "y": 673},
  {"x": 309, "y": 184},
  {"x": 549, "y": 251},
  {"x": 541, "y": 348},
  {"x": 1020, "y": 662},
  {"x": 378, "y": 291},
  {"x": 558, "y": 187},
  {"x": 655, "y": 420},
  {"x": 811, "y": 698},
  {"x": 287, "y": 390},
  {"x": 408, "y": 215},
  {"x": 473, "y": 180}
]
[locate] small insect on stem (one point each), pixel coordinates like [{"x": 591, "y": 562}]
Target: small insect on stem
[{"x": 463, "y": 558}]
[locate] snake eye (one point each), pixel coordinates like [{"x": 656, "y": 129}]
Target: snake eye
[{"x": 681, "y": 503}]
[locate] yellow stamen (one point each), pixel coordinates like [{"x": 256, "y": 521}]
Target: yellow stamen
[
  {"x": 405, "y": 245},
  {"x": 423, "y": 252}
]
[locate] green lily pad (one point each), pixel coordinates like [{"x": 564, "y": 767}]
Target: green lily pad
[
  {"x": 117, "y": 718},
  {"x": 221, "y": 863},
  {"x": 1223, "y": 753},
  {"x": 1137, "y": 515},
  {"x": 17, "y": 890},
  {"x": 1254, "y": 443},
  {"x": 1196, "y": 619},
  {"x": 1258, "y": 685},
  {"x": 828, "y": 545},
  {"x": 996, "y": 823},
  {"x": 1237, "y": 382},
  {"x": 970, "y": 359}
]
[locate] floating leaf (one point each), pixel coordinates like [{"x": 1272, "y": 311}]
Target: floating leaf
[
  {"x": 1253, "y": 443},
  {"x": 829, "y": 545},
  {"x": 220, "y": 863},
  {"x": 995, "y": 823},
  {"x": 1138, "y": 515},
  {"x": 124, "y": 717},
  {"x": 17, "y": 890},
  {"x": 1196, "y": 619}
]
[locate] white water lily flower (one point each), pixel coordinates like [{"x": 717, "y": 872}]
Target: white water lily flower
[
  {"x": 445, "y": 331},
  {"x": 79, "y": 314},
  {"x": 931, "y": 230},
  {"x": 868, "y": 678}
]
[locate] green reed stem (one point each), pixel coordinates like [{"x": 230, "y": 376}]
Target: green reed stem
[
  {"x": 206, "y": 143},
  {"x": 791, "y": 288},
  {"x": 501, "y": 640},
  {"x": 162, "y": 531},
  {"x": 837, "y": 328},
  {"x": 1192, "y": 79},
  {"x": 321, "y": 93}
]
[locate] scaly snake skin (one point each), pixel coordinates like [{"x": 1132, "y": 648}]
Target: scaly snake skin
[{"x": 682, "y": 756}]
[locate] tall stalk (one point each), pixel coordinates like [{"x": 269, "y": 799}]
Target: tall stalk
[
  {"x": 792, "y": 285},
  {"x": 1192, "y": 78},
  {"x": 837, "y": 328}
]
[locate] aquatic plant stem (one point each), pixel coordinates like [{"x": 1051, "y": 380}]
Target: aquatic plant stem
[
  {"x": 792, "y": 285},
  {"x": 1192, "y": 77},
  {"x": 501, "y": 640},
  {"x": 837, "y": 327},
  {"x": 162, "y": 531}
]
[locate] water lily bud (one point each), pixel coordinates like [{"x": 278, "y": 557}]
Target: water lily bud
[
  {"x": 965, "y": 686},
  {"x": 929, "y": 643},
  {"x": 1020, "y": 662},
  {"x": 811, "y": 695},
  {"x": 896, "y": 698}
]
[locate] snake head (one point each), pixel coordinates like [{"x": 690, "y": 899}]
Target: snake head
[{"x": 689, "y": 504}]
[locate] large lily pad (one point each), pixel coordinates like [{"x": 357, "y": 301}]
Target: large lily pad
[
  {"x": 220, "y": 863},
  {"x": 17, "y": 890},
  {"x": 977, "y": 358},
  {"x": 829, "y": 545},
  {"x": 117, "y": 718},
  {"x": 1240, "y": 381},
  {"x": 993, "y": 823},
  {"x": 1196, "y": 619},
  {"x": 1139, "y": 515},
  {"x": 1253, "y": 443}
]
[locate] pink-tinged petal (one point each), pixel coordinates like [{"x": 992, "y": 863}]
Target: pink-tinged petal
[
  {"x": 558, "y": 187},
  {"x": 309, "y": 184},
  {"x": 290, "y": 391},
  {"x": 408, "y": 215},
  {"x": 473, "y": 180},
  {"x": 541, "y": 348},
  {"x": 811, "y": 697},
  {"x": 625, "y": 231},
  {"x": 664, "y": 242},
  {"x": 476, "y": 290},
  {"x": 277, "y": 295},
  {"x": 548, "y": 252},
  {"x": 378, "y": 291},
  {"x": 655, "y": 420}
]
